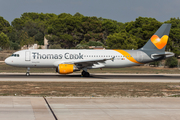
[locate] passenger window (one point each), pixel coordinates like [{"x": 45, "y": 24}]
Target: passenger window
[{"x": 17, "y": 55}]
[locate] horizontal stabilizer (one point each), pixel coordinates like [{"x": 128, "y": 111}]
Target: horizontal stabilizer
[{"x": 166, "y": 55}]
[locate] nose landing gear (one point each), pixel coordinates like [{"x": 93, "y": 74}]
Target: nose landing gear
[{"x": 28, "y": 72}]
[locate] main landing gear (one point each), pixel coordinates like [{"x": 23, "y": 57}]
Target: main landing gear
[
  {"x": 85, "y": 74},
  {"x": 28, "y": 72}
]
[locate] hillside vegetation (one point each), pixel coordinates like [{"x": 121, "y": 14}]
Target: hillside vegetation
[{"x": 78, "y": 31}]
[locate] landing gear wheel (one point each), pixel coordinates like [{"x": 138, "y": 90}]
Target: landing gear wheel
[
  {"x": 28, "y": 71},
  {"x": 27, "y": 74},
  {"x": 85, "y": 74}
]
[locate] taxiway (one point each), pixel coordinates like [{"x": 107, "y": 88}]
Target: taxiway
[{"x": 35, "y": 108}]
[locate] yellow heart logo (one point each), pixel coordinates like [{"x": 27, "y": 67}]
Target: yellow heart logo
[{"x": 159, "y": 42}]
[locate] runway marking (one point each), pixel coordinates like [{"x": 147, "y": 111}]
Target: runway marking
[{"x": 50, "y": 108}]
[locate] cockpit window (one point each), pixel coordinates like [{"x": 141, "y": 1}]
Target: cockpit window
[{"x": 15, "y": 55}]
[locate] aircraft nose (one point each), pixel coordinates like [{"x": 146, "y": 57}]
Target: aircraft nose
[{"x": 7, "y": 61}]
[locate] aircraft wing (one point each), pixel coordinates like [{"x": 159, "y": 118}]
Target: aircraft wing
[
  {"x": 90, "y": 63},
  {"x": 94, "y": 63}
]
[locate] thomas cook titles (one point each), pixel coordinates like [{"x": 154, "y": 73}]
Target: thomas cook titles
[{"x": 37, "y": 55}]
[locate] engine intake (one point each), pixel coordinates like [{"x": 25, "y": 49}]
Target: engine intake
[{"x": 65, "y": 68}]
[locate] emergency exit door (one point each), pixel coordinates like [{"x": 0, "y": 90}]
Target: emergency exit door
[{"x": 28, "y": 56}]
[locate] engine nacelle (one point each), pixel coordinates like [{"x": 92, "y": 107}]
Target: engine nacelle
[{"x": 65, "y": 68}]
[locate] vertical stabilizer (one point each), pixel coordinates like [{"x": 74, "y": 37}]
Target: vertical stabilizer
[{"x": 159, "y": 40}]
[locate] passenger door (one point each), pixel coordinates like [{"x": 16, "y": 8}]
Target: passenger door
[{"x": 27, "y": 56}]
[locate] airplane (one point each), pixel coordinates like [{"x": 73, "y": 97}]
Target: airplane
[{"x": 67, "y": 61}]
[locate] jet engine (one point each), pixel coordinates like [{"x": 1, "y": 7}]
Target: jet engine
[{"x": 65, "y": 68}]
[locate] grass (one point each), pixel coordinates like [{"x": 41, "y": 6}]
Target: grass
[
  {"x": 5, "y": 53},
  {"x": 3, "y": 56},
  {"x": 89, "y": 89}
]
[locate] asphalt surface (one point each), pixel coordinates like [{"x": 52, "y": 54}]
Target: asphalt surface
[
  {"x": 101, "y": 77},
  {"x": 36, "y": 108},
  {"x": 89, "y": 108}
]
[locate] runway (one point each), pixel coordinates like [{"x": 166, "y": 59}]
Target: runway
[
  {"x": 35, "y": 108},
  {"x": 101, "y": 77},
  {"x": 89, "y": 108}
]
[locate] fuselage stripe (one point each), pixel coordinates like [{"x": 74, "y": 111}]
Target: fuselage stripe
[{"x": 128, "y": 56}]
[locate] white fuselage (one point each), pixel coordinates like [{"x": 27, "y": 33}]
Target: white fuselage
[{"x": 54, "y": 57}]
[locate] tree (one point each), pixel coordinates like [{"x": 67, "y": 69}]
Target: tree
[
  {"x": 34, "y": 24},
  {"x": 174, "y": 36},
  {"x": 111, "y": 26},
  {"x": 23, "y": 38},
  {"x": 143, "y": 28},
  {"x": 85, "y": 45},
  {"x": 94, "y": 43},
  {"x": 40, "y": 38},
  {"x": 4, "y": 41},
  {"x": 4, "y": 26},
  {"x": 14, "y": 46},
  {"x": 18, "y": 24},
  {"x": 122, "y": 40},
  {"x": 13, "y": 36},
  {"x": 171, "y": 62}
]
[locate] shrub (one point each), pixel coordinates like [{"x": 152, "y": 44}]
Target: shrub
[
  {"x": 94, "y": 43},
  {"x": 14, "y": 46},
  {"x": 171, "y": 62},
  {"x": 155, "y": 63},
  {"x": 56, "y": 46}
]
